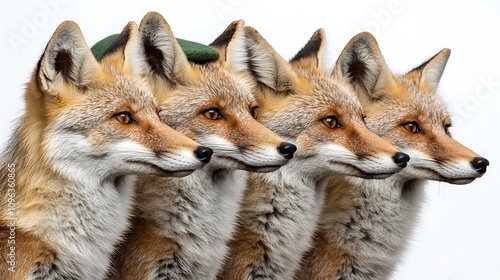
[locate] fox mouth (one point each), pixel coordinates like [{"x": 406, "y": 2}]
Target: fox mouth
[
  {"x": 361, "y": 173},
  {"x": 440, "y": 177},
  {"x": 161, "y": 171},
  {"x": 252, "y": 168}
]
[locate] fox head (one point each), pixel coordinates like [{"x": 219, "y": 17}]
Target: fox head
[
  {"x": 96, "y": 120},
  {"x": 321, "y": 116},
  {"x": 205, "y": 102},
  {"x": 405, "y": 110}
]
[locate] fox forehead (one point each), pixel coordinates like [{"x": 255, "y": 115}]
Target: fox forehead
[
  {"x": 427, "y": 106},
  {"x": 229, "y": 89},
  {"x": 215, "y": 88},
  {"x": 105, "y": 97},
  {"x": 297, "y": 111},
  {"x": 404, "y": 103}
]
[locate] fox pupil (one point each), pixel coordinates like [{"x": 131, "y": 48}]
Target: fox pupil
[
  {"x": 124, "y": 117},
  {"x": 413, "y": 127},
  {"x": 212, "y": 114},
  {"x": 253, "y": 111},
  {"x": 330, "y": 122}
]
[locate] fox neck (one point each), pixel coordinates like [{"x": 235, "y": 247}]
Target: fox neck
[
  {"x": 378, "y": 216},
  {"x": 206, "y": 203},
  {"x": 307, "y": 171},
  {"x": 300, "y": 212},
  {"x": 47, "y": 199},
  {"x": 24, "y": 151}
]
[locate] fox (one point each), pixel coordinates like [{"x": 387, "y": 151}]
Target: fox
[
  {"x": 325, "y": 120},
  {"x": 365, "y": 225},
  {"x": 68, "y": 173},
  {"x": 181, "y": 226}
]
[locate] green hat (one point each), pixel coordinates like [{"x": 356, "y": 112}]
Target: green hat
[{"x": 195, "y": 52}]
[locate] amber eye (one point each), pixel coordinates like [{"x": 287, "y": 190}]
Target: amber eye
[
  {"x": 331, "y": 122},
  {"x": 413, "y": 127},
  {"x": 124, "y": 117},
  {"x": 212, "y": 114},
  {"x": 254, "y": 112}
]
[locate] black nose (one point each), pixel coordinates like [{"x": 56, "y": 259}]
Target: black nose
[
  {"x": 204, "y": 154},
  {"x": 401, "y": 159},
  {"x": 287, "y": 149},
  {"x": 480, "y": 164}
]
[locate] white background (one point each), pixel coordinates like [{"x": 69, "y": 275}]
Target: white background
[{"x": 459, "y": 233}]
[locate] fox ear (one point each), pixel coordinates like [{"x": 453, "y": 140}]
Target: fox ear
[
  {"x": 227, "y": 39},
  {"x": 155, "y": 51},
  {"x": 428, "y": 75},
  {"x": 361, "y": 64},
  {"x": 311, "y": 54},
  {"x": 253, "y": 55},
  {"x": 67, "y": 59},
  {"x": 120, "y": 48}
]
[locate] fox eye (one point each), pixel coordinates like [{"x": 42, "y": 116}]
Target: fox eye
[
  {"x": 413, "y": 127},
  {"x": 254, "y": 112},
  {"x": 212, "y": 114},
  {"x": 331, "y": 122},
  {"x": 124, "y": 117},
  {"x": 447, "y": 128}
]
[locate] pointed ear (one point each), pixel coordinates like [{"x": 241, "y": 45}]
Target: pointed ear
[
  {"x": 311, "y": 54},
  {"x": 361, "y": 64},
  {"x": 428, "y": 75},
  {"x": 252, "y": 54},
  {"x": 118, "y": 47},
  {"x": 155, "y": 52},
  {"x": 67, "y": 59},
  {"x": 225, "y": 40}
]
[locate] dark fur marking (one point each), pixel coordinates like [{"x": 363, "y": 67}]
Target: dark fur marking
[
  {"x": 419, "y": 69},
  {"x": 362, "y": 156},
  {"x": 311, "y": 49},
  {"x": 38, "y": 68},
  {"x": 348, "y": 272},
  {"x": 422, "y": 66},
  {"x": 281, "y": 87},
  {"x": 357, "y": 70},
  {"x": 50, "y": 271},
  {"x": 226, "y": 36},
  {"x": 171, "y": 269},
  {"x": 265, "y": 270},
  {"x": 408, "y": 189},
  {"x": 119, "y": 44},
  {"x": 154, "y": 57},
  {"x": 250, "y": 60},
  {"x": 63, "y": 63}
]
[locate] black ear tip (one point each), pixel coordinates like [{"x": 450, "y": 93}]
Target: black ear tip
[{"x": 228, "y": 34}]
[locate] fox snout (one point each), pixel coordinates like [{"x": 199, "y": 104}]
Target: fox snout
[
  {"x": 287, "y": 150},
  {"x": 480, "y": 164},
  {"x": 401, "y": 159},
  {"x": 204, "y": 154}
]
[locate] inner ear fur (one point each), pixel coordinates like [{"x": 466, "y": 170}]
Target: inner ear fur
[
  {"x": 429, "y": 73},
  {"x": 362, "y": 65},
  {"x": 67, "y": 60},
  {"x": 254, "y": 56}
]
